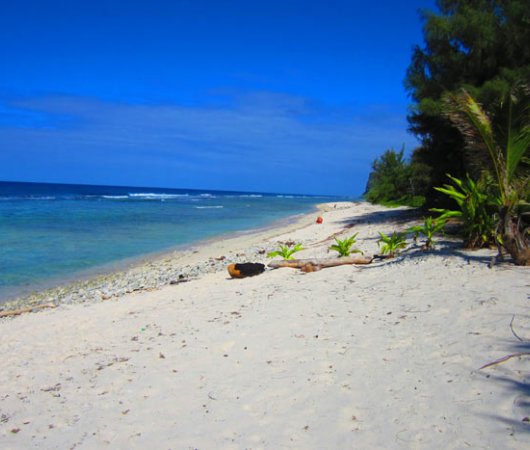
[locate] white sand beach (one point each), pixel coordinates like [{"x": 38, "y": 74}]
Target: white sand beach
[{"x": 385, "y": 355}]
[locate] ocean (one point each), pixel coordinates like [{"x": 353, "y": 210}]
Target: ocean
[{"x": 49, "y": 232}]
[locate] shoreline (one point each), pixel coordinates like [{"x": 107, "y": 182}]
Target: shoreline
[
  {"x": 404, "y": 353},
  {"x": 96, "y": 284}
]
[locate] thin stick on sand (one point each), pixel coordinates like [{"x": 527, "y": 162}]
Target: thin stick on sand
[
  {"x": 514, "y": 333},
  {"x": 503, "y": 359}
]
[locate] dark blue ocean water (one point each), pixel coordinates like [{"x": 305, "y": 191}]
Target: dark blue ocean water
[{"x": 49, "y": 231}]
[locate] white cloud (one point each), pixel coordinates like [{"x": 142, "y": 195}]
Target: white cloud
[{"x": 318, "y": 149}]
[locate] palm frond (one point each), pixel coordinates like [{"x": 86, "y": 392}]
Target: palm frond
[{"x": 516, "y": 150}]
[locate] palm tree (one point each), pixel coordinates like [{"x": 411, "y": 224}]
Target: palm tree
[{"x": 504, "y": 136}]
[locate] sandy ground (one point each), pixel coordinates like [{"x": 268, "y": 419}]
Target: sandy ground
[{"x": 379, "y": 356}]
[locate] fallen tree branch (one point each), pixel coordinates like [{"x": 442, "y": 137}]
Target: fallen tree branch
[
  {"x": 17, "y": 312},
  {"x": 503, "y": 359},
  {"x": 312, "y": 265}
]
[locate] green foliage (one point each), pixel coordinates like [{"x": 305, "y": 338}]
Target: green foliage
[
  {"x": 481, "y": 45},
  {"x": 286, "y": 251},
  {"x": 392, "y": 244},
  {"x": 344, "y": 246},
  {"x": 416, "y": 201},
  {"x": 478, "y": 208},
  {"x": 429, "y": 228},
  {"x": 390, "y": 182},
  {"x": 501, "y": 137}
]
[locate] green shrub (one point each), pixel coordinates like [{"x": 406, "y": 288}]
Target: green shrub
[
  {"x": 392, "y": 244},
  {"x": 344, "y": 246},
  {"x": 477, "y": 210},
  {"x": 429, "y": 228},
  {"x": 286, "y": 251}
]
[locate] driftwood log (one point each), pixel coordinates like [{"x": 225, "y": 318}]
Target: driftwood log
[
  {"x": 17, "y": 312},
  {"x": 312, "y": 265}
]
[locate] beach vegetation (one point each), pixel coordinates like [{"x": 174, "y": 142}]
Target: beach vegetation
[
  {"x": 477, "y": 209},
  {"x": 392, "y": 244},
  {"x": 286, "y": 251},
  {"x": 344, "y": 246},
  {"x": 479, "y": 45},
  {"x": 428, "y": 229},
  {"x": 501, "y": 138},
  {"x": 391, "y": 183}
]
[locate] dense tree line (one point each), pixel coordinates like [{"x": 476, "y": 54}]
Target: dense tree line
[
  {"x": 395, "y": 180},
  {"x": 480, "y": 45},
  {"x": 470, "y": 83}
]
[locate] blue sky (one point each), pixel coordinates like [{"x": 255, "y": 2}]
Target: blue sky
[{"x": 271, "y": 96}]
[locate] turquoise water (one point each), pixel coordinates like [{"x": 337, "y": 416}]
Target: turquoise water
[{"x": 49, "y": 231}]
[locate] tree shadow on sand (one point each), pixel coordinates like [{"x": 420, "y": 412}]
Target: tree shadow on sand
[
  {"x": 445, "y": 247},
  {"x": 398, "y": 216},
  {"x": 516, "y": 382}
]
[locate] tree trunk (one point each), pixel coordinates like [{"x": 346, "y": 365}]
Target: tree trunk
[
  {"x": 312, "y": 265},
  {"x": 513, "y": 238}
]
